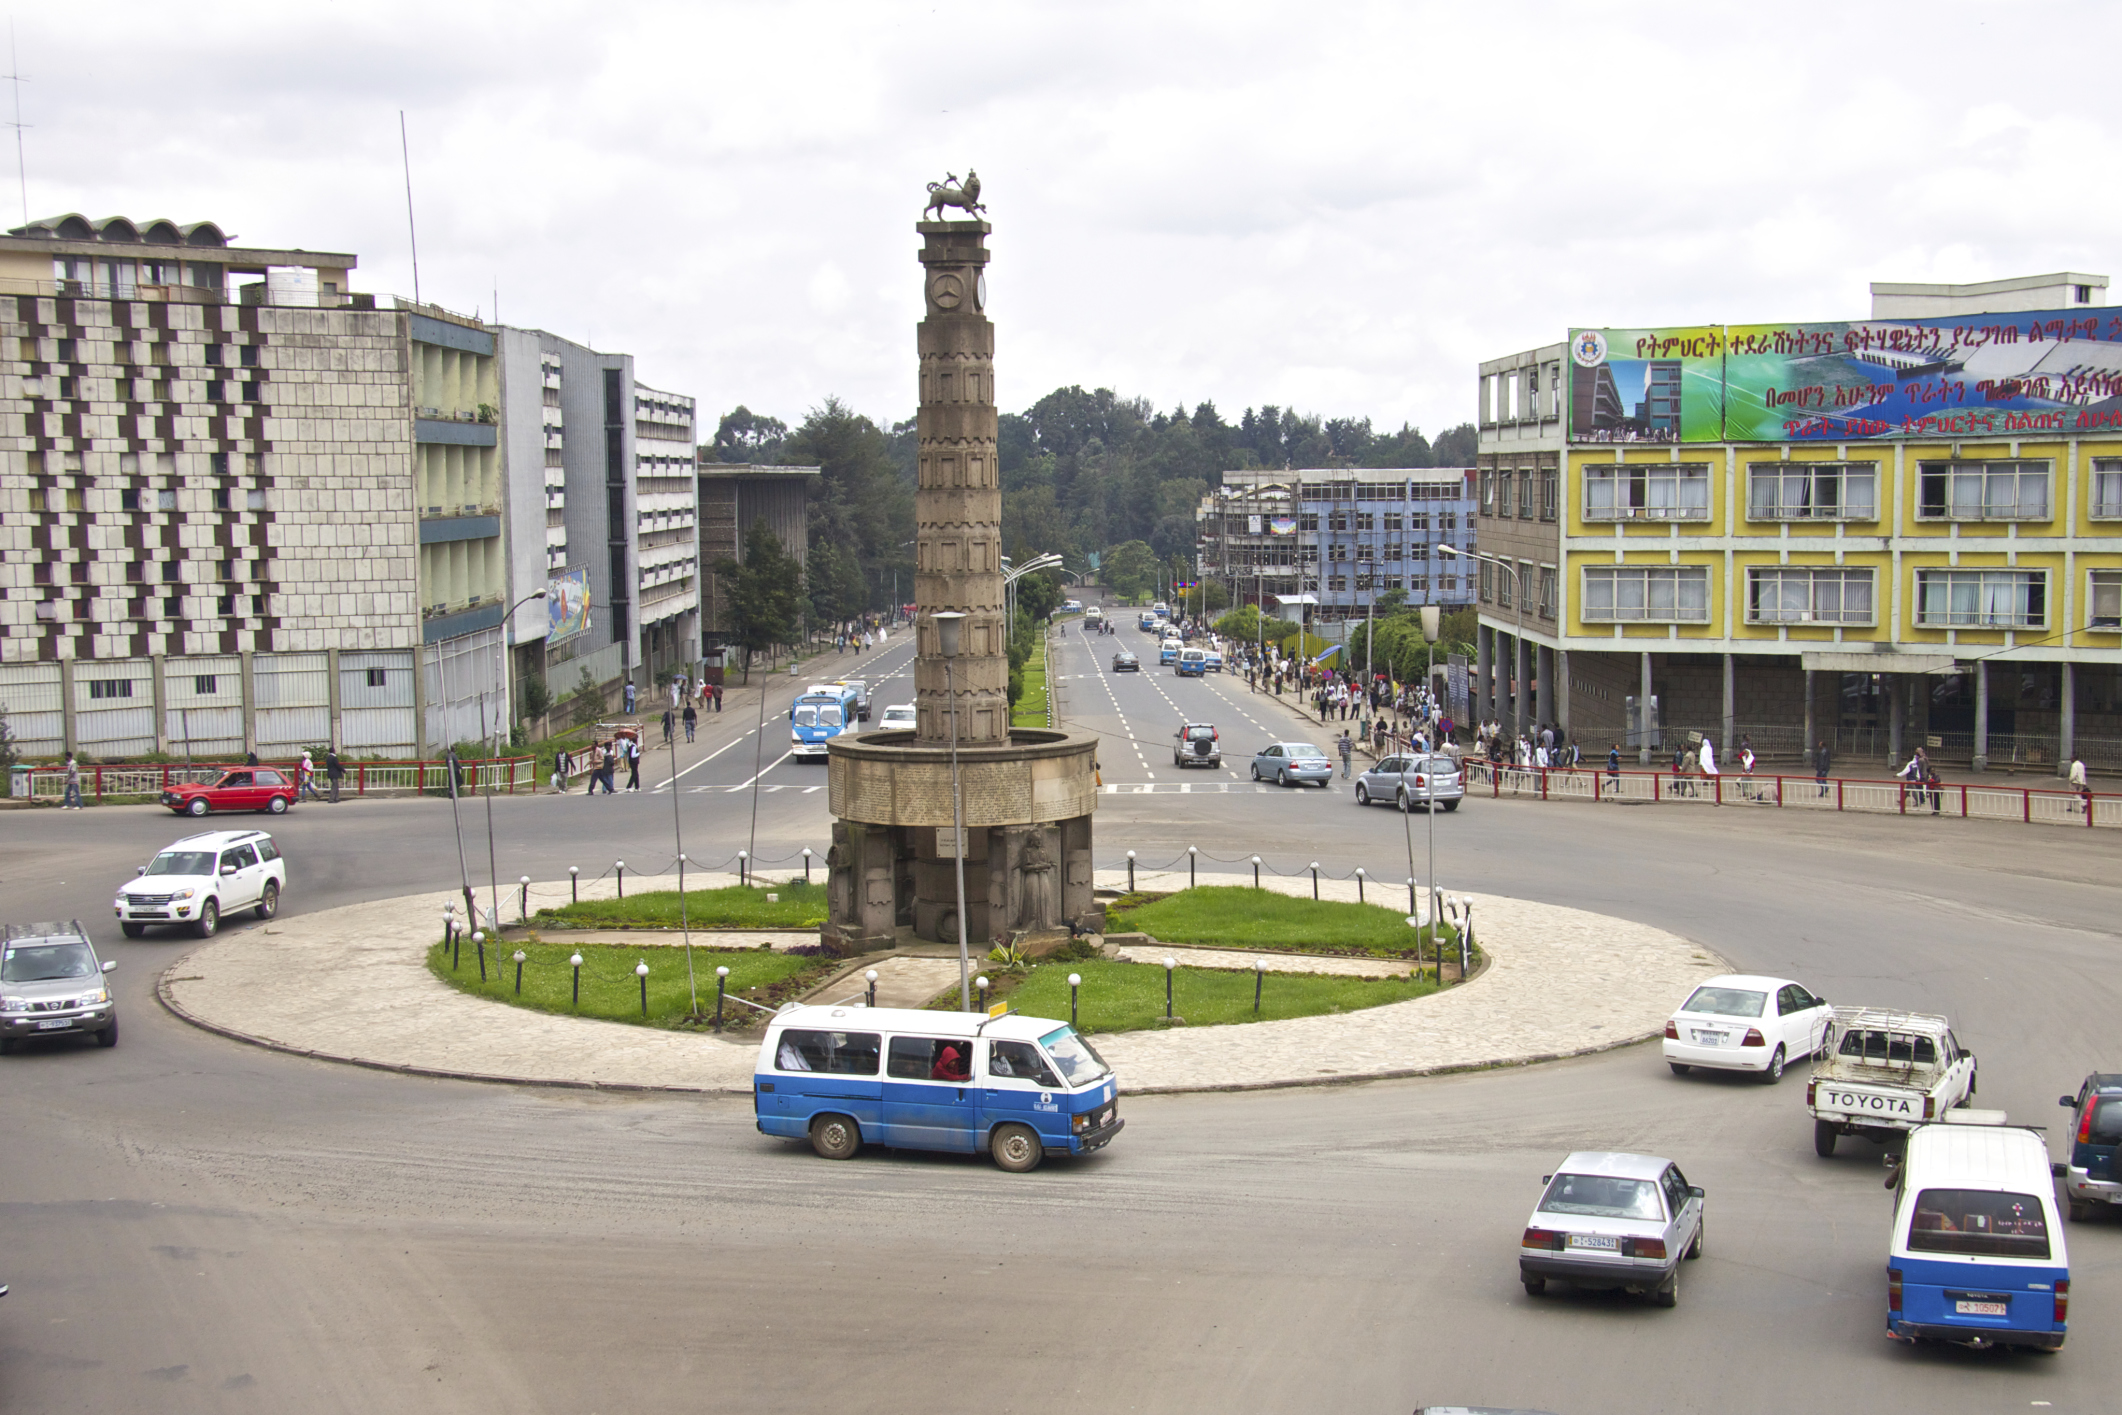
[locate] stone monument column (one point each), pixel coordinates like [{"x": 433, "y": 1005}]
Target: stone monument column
[{"x": 958, "y": 503}]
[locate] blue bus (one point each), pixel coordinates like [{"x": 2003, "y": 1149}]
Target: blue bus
[
  {"x": 823, "y": 712},
  {"x": 1011, "y": 1087}
]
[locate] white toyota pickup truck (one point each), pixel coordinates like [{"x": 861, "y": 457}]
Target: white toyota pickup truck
[{"x": 1885, "y": 1071}]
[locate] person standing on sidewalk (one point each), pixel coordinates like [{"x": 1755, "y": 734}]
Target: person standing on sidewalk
[
  {"x": 633, "y": 763},
  {"x": 1709, "y": 768},
  {"x": 334, "y": 771},
  {"x": 629, "y": 697},
  {"x": 72, "y": 801},
  {"x": 2078, "y": 784},
  {"x": 1823, "y": 761},
  {"x": 692, "y": 721}
]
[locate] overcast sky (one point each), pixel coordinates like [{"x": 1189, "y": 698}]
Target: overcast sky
[{"x": 1340, "y": 208}]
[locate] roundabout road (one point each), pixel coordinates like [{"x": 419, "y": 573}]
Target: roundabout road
[{"x": 193, "y": 1224}]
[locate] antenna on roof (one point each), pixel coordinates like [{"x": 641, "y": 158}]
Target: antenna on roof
[
  {"x": 405, "y": 151},
  {"x": 15, "y": 78}
]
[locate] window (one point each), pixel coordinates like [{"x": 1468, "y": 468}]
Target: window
[
  {"x": 217, "y": 463},
  {"x": 1812, "y": 491},
  {"x": 254, "y": 499},
  {"x": 173, "y": 607},
  {"x": 166, "y": 499},
  {"x": 1487, "y": 580},
  {"x": 1393, "y": 519},
  {"x": 110, "y": 688},
  {"x": 1984, "y": 1222},
  {"x": 1337, "y": 521},
  {"x": 203, "y": 685},
  {"x": 1337, "y": 584},
  {"x": 2107, "y": 488},
  {"x": 1983, "y": 599},
  {"x": 1503, "y": 483},
  {"x": 2104, "y": 600},
  {"x": 1547, "y": 591},
  {"x": 221, "y": 498},
  {"x": 241, "y": 857},
  {"x": 250, "y": 355},
  {"x": 1365, "y": 521},
  {"x": 1669, "y": 491},
  {"x": 1982, "y": 491},
  {"x": 1788, "y": 595},
  {"x": 1525, "y": 494},
  {"x": 1308, "y": 521},
  {"x": 39, "y": 499},
  {"x": 1019, "y": 1059},
  {"x": 1676, "y": 594},
  {"x": 1488, "y": 492},
  {"x": 1504, "y": 583},
  {"x": 376, "y": 677},
  {"x": 931, "y": 1059},
  {"x": 129, "y": 499},
  {"x": 213, "y": 355},
  {"x": 839, "y": 1053},
  {"x": 1549, "y": 497},
  {"x": 225, "y": 605},
  {"x": 172, "y": 570}
]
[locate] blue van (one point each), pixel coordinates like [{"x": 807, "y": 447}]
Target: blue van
[
  {"x": 1976, "y": 1253},
  {"x": 822, "y": 713},
  {"x": 1012, "y": 1087}
]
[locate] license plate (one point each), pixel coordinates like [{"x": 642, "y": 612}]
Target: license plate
[
  {"x": 1982, "y": 1309},
  {"x": 1596, "y": 1242},
  {"x": 49, "y": 1024},
  {"x": 1709, "y": 1039}
]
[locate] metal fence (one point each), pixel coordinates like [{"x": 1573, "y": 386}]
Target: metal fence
[
  {"x": 2028, "y": 805},
  {"x": 119, "y": 782}
]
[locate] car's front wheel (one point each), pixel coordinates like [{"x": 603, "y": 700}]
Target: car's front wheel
[
  {"x": 1362, "y": 796},
  {"x": 1016, "y": 1148},
  {"x": 197, "y": 806},
  {"x": 209, "y": 919},
  {"x": 269, "y": 901},
  {"x": 278, "y": 805},
  {"x": 108, "y": 1037},
  {"x": 132, "y": 930}
]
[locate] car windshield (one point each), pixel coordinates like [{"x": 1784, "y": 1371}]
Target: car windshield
[
  {"x": 1726, "y": 1002},
  {"x": 36, "y": 963},
  {"x": 806, "y": 717},
  {"x": 182, "y": 862},
  {"x": 1602, "y": 1196},
  {"x": 1076, "y": 1060},
  {"x": 1979, "y": 1221}
]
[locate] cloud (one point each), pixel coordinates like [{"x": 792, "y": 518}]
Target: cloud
[{"x": 1339, "y": 206}]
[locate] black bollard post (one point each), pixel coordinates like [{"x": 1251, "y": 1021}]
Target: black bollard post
[
  {"x": 1411, "y": 899},
  {"x": 1130, "y": 872},
  {"x": 574, "y": 881},
  {"x": 1190, "y": 867},
  {"x": 1256, "y": 872},
  {"x": 524, "y": 907},
  {"x": 981, "y": 983},
  {"x": 519, "y": 972},
  {"x": 743, "y": 870},
  {"x": 641, "y": 972},
  {"x": 722, "y": 986},
  {"x": 1169, "y": 964},
  {"x": 1259, "y": 978},
  {"x": 576, "y": 963},
  {"x": 1315, "y": 879},
  {"x": 806, "y": 864},
  {"x": 619, "y": 868},
  {"x": 1075, "y": 982},
  {"x": 479, "y": 941},
  {"x": 1359, "y": 884}
]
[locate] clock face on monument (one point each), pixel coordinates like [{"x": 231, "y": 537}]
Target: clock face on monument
[{"x": 980, "y": 291}]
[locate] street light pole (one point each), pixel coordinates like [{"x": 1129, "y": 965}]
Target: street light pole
[{"x": 949, "y": 622}]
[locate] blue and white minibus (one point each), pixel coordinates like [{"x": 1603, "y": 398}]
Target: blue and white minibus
[
  {"x": 1012, "y": 1087},
  {"x": 1976, "y": 1252},
  {"x": 822, "y": 713}
]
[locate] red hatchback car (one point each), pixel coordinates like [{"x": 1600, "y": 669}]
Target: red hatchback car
[{"x": 242, "y": 788}]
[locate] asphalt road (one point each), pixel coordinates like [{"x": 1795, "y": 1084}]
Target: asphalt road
[{"x": 191, "y": 1224}]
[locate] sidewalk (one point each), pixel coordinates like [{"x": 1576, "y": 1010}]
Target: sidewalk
[{"x": 352, "y": 985}]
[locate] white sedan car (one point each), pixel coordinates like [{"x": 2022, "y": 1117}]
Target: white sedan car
[
  {"x": 1743, "y": 1022},
  {"x": 899, "y": 717}
]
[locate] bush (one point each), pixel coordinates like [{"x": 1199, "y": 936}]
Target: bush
[
  {"x": 534, "y": 697},
  {"x": 588, "y": 701}
]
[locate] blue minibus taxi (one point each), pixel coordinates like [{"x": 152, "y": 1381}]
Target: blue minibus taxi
[
  {"x": 1012, "y": 1087},
  {"x": 1976, "y": 1253},
  {"x": 822, "y": 713}
]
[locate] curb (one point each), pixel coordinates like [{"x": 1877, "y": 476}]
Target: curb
[{"x": 1394, "y": 1074}]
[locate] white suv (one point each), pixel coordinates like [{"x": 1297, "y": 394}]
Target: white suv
[{"x": 201, "y": 879}]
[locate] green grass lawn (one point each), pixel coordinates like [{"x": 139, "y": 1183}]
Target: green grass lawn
[
  {"x": 737, "y": 906},
  {"x": 1126, "y": 997},
  {"x": 1030, "y": 710},
  {"x": 610, "y": 988},
  {"x": 1238, "y": 916}
]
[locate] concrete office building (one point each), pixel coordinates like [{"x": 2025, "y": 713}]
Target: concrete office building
[
  {"x": 732, "y": 496},
  {"x": 1329, "y": 541},
  {"x": 243, "y": 507},
  {"x": 1882, "y": 533}
]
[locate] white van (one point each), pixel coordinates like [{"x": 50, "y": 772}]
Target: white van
[{"x": 1976, "y": 1252}]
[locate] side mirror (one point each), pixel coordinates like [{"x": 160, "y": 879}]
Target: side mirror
[
  {"x": 2067, "y": 1102},
  {"x": 228, "y": 869},
  {"x": 1694, "y": 1191},
  {"x": 140, "y": 870},
  {"x": 110, "y": 964},
  {"x": 1545, "y": 1178}
]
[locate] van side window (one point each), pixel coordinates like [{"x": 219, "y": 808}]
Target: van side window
[
  {"x": 931, "y": 1059},
  {"x": 1021, "y": 1060},
  {"x": 268, "y": 851},
  {"x": 841, "y": 1053},
  {"x": 241, "y": 856}
]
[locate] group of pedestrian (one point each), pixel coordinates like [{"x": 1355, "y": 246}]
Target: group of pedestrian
[{"x": 602, "y": 759}]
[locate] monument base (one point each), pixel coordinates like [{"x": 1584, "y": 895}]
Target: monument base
[{"x": 1027, "y": 840}]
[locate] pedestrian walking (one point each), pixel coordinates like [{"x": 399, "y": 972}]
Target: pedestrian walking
[
  {"x": 2079, "y": 784},
  {"x": 72, "y": 800},
  {"x": 633, "y": 763},
  {"x": 1613, "y": 765},
  {"x": 1348, "y": 748},
  {"x": 692, "y": 720},
  {"x": 563, "y": 765},
  {"x": 666, "y": 726},
  {"x": 334, "y": 771},
  {"x": 1710, "y": 772},
  {"x": 718, "y": 697},
  {"x": 306, "y": 778},
  {"x": 1823, "y": 760}
]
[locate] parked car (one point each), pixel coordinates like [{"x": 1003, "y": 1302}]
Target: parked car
[
  {"x": 201, "y": 880},
  {"x": 1411, "y": 781},
  {"x": 1886, "y": 1072},
  {"x": 2089, "y": 1175},
  {"x": 1743, "y": 1022},
  {"x": 241, "y": 788},
  {"x": 1292, "y": 764},
  {"x": 1213, "y": 660},
  {"x": 1198, "y": 745},
  {"x": 1976, "y": 1255},
  {"x": 1610, "y": 1220},
  {"x": 898, "y": 717},
  {"x": 1125, "y": 662},
  {"x": 51, "y": 984}
]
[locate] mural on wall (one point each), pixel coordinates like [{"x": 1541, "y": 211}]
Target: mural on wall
[
  {"x": 2040, "y": 371},
  {"x": 567, "y": 606}
]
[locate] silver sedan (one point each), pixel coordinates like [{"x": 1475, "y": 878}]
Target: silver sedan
[
  {"x": 1292, "y": 764},
  {"x": 1411, "y": 781}
]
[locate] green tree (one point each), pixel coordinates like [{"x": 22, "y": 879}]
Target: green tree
[
  {"x": 9, "y": 755},
  {"x": 586, "y": 703},
  {"x": 1208, "y": 597},
  {"x": 745, "y": 436},
  {"x": 865, "y": 501},
  {"x": 1039, "y": 595},
  {"x": 765, "y": 594},
  {"x": 1130, "y": 568},
  {"x": 1456, "y": 447}
]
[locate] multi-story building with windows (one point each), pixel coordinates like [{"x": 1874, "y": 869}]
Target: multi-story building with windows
[
  {"x": 1329, "y": 541},
  {"x": 732, "y": 496},
  {"x": 1880, "y": 534},
  {"x": 667, "y": 528},
  {"x": 243, "y": 508}
]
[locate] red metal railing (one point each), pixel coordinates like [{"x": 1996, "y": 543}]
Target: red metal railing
[{"x": 100, "y": 780}]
